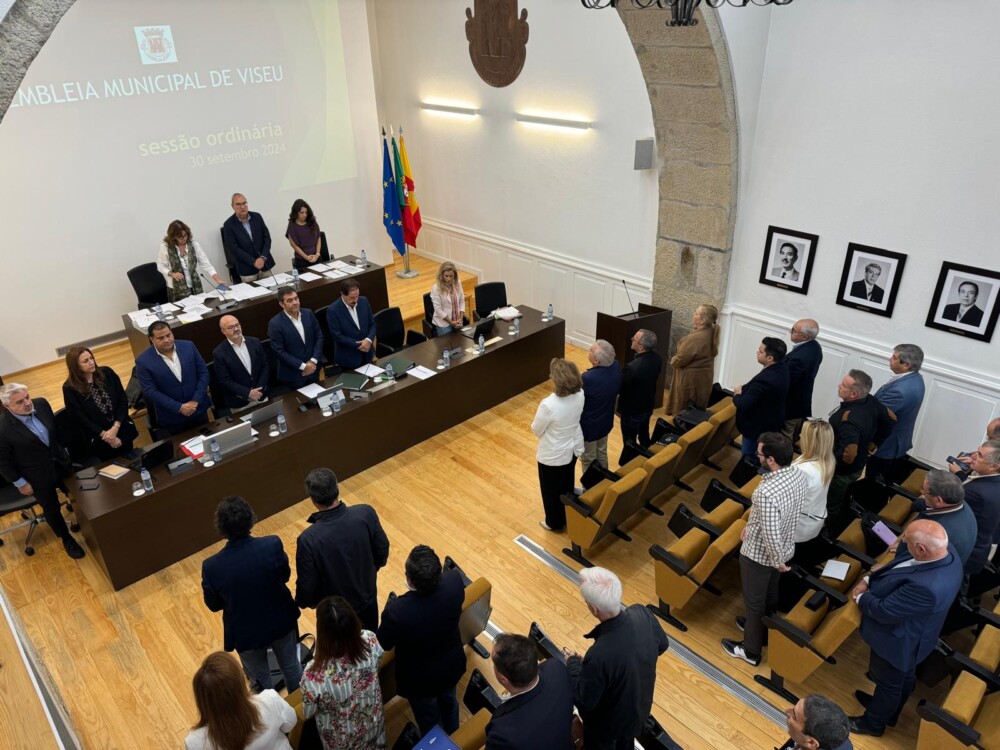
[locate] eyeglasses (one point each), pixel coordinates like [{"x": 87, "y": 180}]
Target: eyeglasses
[{"x": 233, "y": 327}]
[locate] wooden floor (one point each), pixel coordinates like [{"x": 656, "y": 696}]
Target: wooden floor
[{"x": 122, "y": 661}]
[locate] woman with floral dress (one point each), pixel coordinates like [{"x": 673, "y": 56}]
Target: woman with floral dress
[{"x": 340, "y": 686}]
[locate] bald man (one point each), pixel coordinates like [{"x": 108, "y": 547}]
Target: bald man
[
  {"x": 903, "y": 607},
  {"x": 241, "y": 365},
  {"x": 803, "y": 363}
]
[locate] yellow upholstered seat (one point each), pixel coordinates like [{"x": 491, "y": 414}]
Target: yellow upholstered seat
[{"x": 600, "y": 511}]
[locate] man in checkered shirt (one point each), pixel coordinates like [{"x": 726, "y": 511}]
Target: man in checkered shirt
[{"x": 768, "y": 541}]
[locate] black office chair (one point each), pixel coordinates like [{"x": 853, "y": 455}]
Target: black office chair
[
  {"x": 274, "y": 386},
  {"x": 324, "y": 249},
  {"x": 71, "y": 436},
  {"x": 430, "y": 330},
  {"x": 390, "y": 335},
  {"x": 489, "y": 297},
  {"x": 149, "y": 285},
  {"x": 218, "y": 394},
  {"x": 12, "y": 501},
  {"x": 230, "y": 263}
]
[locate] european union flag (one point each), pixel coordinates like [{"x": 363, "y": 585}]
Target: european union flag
[{"x": 391, "y": 217}]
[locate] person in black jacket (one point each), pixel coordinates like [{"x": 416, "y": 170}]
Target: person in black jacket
[
  {"x": 613, "y": 684},
  {"x": 241, "y": 365},
  {"x": 246, "y": 238},
  {"x": 803, "y": 363},
  {"x": 341, "y": 553},
  {"x": 760, "y": 403},
  {"x": 32, "y": 459},
  {"x": 422, "y": 626},
  {"x": 638, "y": 390},
  {"x": 247, "y": 580},
  {"x": 96, "y": 399},
  {"x": 538, "y": 715}
]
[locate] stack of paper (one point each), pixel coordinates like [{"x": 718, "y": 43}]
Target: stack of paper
[
  {"x": 370, "y": 370},
  {"x": 242, "y": 292},
  {"x": 335, "y": 274},
  {"x": 319, "y": 267},
  {"x": 338, "y": 265},
  {"x": 278, "y": 280},
  {"x": 421, "y": 373},
  {"x": 306, "y": 276},
  {"x": 836, "y": 569}
]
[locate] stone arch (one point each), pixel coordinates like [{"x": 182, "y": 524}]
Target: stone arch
[
  {"x": 23, "y": 32},
  {"x": 689, "y": 79}
]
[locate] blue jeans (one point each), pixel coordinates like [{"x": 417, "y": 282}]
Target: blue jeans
[
  {"x": 438, "y": 709},
  {"x": 442, "y": 330},
  {"x": 287, "y": 653},
  {"x": 748, "y": 449}
]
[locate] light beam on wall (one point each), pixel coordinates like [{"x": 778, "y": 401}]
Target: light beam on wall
[
  {"x": 458, "y": 110},
  {"x": 553, "y": 122}
]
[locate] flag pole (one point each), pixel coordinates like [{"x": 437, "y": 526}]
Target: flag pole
[{"x": 407, "y": 272}]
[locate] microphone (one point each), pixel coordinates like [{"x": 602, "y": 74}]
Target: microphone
[
  {"x": 628, "y": 296},
  {"x": 275, "y": 290},
  {"x": 226, "y": 303}
]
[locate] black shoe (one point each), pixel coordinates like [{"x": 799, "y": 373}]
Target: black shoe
[
  {"x": 735, "y": 649},
  {"x": 866, "y": 698},
  {"x": 858, "y": 726},
  {"x": 741, "y": 623},
  {"x": 73, "y": 548}
]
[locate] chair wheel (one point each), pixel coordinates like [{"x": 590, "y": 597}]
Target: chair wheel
[
  {"x": 74, "y": 526},
  {"x": 29, "y": 551}
]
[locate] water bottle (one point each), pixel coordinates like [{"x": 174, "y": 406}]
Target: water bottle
[
  {"x": 147, "y": 480},
  {"x": 389, "y": 374},
  {"x": 215, "y": 450},
  {"x": 517, "y": 326},
  {"x": 336, "y": 404},
  {"x": 364, "y": 259},
  {"x": 447, "y": 358},
  {"x": 549, "y": 312},
  {"x": 482, "y": 344},
  {"x": 295, "y": 277},
  {"x": 158, "y": 311},
  {"x": 282, "y": 424}
]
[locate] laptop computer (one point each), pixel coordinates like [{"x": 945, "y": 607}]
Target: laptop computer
[
  {"x": 484, "y": 327},
  {"x": 264, "y": 414},
  {"x": 155, "y": 454},
  {"x": 436, "y": 739}
]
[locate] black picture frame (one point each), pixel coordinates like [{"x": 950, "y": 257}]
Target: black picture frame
[
  {"x": 772, "y": 267},
  {"x": 954, "y": 286},
  {"x": 886, "y": 267}
]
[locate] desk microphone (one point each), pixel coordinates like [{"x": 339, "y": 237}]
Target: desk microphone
[
  {"x": 226, "y": 303},
  {"x": 275, "y": 290},
  {"x": 628, "y": 296}
]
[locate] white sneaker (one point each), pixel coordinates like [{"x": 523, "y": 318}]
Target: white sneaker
[{"x": 735, "y": 649}]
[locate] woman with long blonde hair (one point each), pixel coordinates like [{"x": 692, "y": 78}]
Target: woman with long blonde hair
[
  {"x": 693, "y": 364},
  {"x": 448, "y": 299},
  {"x": 817, "y": 464}
]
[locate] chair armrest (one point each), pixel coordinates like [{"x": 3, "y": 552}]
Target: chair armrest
[
  {"x": 937, "y": 715},
  {"x": 795, "y": 634},
  {"x": 382, "y": 350},
  {"x": 837, "y": 598},
  {"x": 917, "y": 463},
  {"x": 861, "y": 557},
  {"x": 716, "y": 492},
  {"x": 605, "y": 472},
  {"x": 900, "y": 491},
  {"x": 632, "y": 445},
  {"x": 662, "y": 426},
  {"x": 674, "y": 563},
  {"x": 414, "y": 337},
  {"x": 570, "y": 500},
  {"x": 966, "y": 664},
  {"x": 547, "y": 649},
  {"x": 472, "y": 734},
  {"x": 988, "y": 617}
]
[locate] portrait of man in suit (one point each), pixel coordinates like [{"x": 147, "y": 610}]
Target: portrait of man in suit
[
  {"x": 785, "y": 261},
  {"x": 965, "y": 311},
  {"x": 867, "y": 287}
]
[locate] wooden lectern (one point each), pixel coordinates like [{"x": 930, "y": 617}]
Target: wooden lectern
[{"x": 618, "y": 330}]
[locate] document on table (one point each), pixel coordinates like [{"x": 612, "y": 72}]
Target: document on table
[
  {"x": 278, "y": 280},
  {"x": 197, "y": 310},
  {"x": 370, "y": 370},
  {"x": 144, "y": 322},
  {"x": 306, "y": 276},
  {"x": 338, "y": 264},
  {"x": 836, "y": 569},
  {"x": 319, "y": 267},
  {"x": 421, "y": 373},
  {"x": 312, "y": 390},
  {"x": 188, "y": 317},
  {"x": 194, "y": 447},
  {"x": 195, "y": 299},
  {"x": 335, "y": 274}
]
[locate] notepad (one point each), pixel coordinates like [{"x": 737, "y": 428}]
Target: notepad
[
  {"x": 114, "y": 471},
  {"x": 836, "y": 569}
]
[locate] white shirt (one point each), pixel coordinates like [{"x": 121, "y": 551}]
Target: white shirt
[
  {"x": 243, "y": 353},
  {"x": 174, "y": 363},
  {"x": 813, "y": 512},
  {"x": 203, "y": 265},
  {"x": 297, "y": 322},
  {"x": 353, "y": 311},
  {"x": 277, "y": 716},
  {"x": 557, "y": 425}
]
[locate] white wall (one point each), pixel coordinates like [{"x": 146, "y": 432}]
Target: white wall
[
  {"x": 559, "y": 215},
  {"x": 876, "y": 124}
]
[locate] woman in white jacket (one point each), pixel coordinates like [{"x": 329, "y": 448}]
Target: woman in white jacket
[
  {"x": 817, "y": 464},
  {"x": 560, "y": 440}
]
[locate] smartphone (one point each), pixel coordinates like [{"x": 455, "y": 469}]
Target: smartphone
[
  {"x": 87, "y": 486},
  {"x": 960, "y": 464},
  {"x": 205, "y": 431}
]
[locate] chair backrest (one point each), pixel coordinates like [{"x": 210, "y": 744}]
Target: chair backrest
[
  {"x": 428, "y": 321},
  {"x": 324, "y": 249},
  {"x": 230, "y": 263},
  {"x": 389, "y": 327},
  {"x": 272, "y": 365},
  {"x": 693, "y": 443},
  {"x": 70, "y": 435},
  {"x": 724, "y": 420},
  {"x": 476, "y": 609},
  {"x": 149, "y": 285},
  {"x": 215, "y": 391},
  {"x": 619, "y": 503},
  {"x": 490, "y": 296},
  {"x": 660, "y": 472}
]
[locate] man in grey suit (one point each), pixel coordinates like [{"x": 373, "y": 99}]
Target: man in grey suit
[{"x": 903, "y": 395}]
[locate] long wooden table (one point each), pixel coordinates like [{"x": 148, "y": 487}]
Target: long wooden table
[
  {"x": 255, "y": 314},
  {"x": 135, "y": 537}
]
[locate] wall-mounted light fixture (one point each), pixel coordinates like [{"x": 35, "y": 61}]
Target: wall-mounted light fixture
[
  {"x": 450, "y": 109},
  {"x": 553, "y": 122}
]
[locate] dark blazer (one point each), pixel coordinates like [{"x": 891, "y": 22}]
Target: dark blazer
[
  {"x": 242, "y": 249},
  {"x": 233, "y": 376},
  {"x": 423, "y": 628},
  {"x": 22, "y": 454},
  {"x": 291, "y": 351},
  {"x": 541, "y": 719},
  {"x": 803, "y": 363},
  {"x": 637, "y": 394},
  {"x": 904, "y": 397},
  {"x": 346, "y": 335},
  {"x": 247, "y": 581},
  {"x": 904, "y": 608},
  {"x": 982, "y": 494},
  {"x": 165, "y": 393},
  {"x": 341, "y": 554},
  {"x": 613, "y": 684},
  {"x": 960, "y": 523},
  {"x": 760, "y": 407},
  {"x": 858, "y": 290},
  {"x": 92, "y": 421},
  {"x": 600, "y": 388},
  {"x": 973, "y": 316}
]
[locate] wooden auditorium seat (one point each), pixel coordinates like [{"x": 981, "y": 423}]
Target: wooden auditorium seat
[{"x": 599, "y": 512}]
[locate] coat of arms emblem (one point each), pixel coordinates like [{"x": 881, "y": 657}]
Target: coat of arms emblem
[
  {"x": 497, "y": 40},
  {"x": 156, "y": 44}
]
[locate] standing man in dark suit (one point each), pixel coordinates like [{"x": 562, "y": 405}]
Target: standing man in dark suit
[
  {"x": 601, "y": 384},
  {"x": 248, "y": 241},
  {"x": 352, "y": 326},
  {"x": 638, "y": 390},
  {"x": 903, "y": 395},
  {"x": 903, "y": 607},
  {"x": 965, "y": 311},
  {"x": 803, "y": 363},
  {"x": 422, "y": 626},
  {"x": 247, "y": 580},
  {"x": 32, "y": 460},
  {"x": 538, "y": 714},
  {"x": 241, "y": 365},
  {"x": 296, "y": 340},
  {"x": 866, "y": 288},
  {"x": 760, "y": 403},
  {"x": 341, "y": 553},
  {"x": 174, "y": 380}
]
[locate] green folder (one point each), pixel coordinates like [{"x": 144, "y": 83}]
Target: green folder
[
  {"x": 354, "y": 380},
  {"x": 399, "y": 364}
]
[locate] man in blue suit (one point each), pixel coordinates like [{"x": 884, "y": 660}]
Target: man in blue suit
[
  {"x": 760, "y": 403},
  {"x": 296, "y": 340},
  {"x": 601, "y": 384},
  {"x": 803, "y": 363},
  {"x": 903, "y": 395},
  {"x": 247, "y": 240},
  {"x": 903, "y": 607},
  {"x": 352, "y": 326},
  {"x": 247, "y": 580},
  {"x": 241, "y": 365},
  {"x": 538, "y": 715},
  {"x": 174, "y": 380}
]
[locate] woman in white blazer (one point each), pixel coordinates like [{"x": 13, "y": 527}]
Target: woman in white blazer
[{"x": 560, "y": 440}]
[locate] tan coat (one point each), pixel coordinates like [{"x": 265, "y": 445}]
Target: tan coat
[{"x": 694, "y": 370}]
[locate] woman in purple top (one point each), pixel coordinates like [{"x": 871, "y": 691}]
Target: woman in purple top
[{"x": 303, "y": 234}]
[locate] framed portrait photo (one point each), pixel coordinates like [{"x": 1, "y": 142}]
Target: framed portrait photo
[
  {"x": 788, "y": 259},
  {"x": 871, "y": 279},
  {"x": 965, "y": 301}
]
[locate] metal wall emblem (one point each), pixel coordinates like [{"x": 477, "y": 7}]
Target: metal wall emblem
[{"x": 497, "y": 40}]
